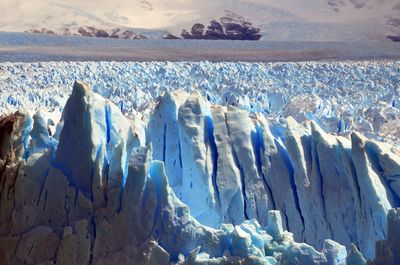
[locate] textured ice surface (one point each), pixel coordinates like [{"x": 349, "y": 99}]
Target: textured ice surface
[
  {"x": 388, "y": 251},
  {"x": 325, "y": 186},
  {"x": 56, "y": 209},
  {"x": 95, "y": 193},
  {"x": 340, "y": 95}
]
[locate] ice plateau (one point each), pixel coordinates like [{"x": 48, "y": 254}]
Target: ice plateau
[{"x": 185, "y": 180}]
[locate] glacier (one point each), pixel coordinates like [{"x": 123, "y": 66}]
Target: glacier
[
  {"x": 339, "y": 95},
  {"x": 188, "y": 180}
]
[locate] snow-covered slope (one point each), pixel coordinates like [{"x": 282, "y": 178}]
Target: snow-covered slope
[
  {"x": 366, "y": 20},
  {"x": 106, "y": 189}
]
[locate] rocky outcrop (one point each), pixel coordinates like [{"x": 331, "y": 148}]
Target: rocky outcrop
[
  {"x": 90, "y": 31},
  {"x": 171, "y": 37},
  {"x": 230, "y": 27},
  {"x": 115, "y": 33},
  {"x": 42, "y": 31},
  {"x": 394, "y": 38},
  {"x": 197, "y": 29}
]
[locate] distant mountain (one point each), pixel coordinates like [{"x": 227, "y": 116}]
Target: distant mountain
[
  {"x": 307, "y": 20},
  {"x": 114, "y": 33}
]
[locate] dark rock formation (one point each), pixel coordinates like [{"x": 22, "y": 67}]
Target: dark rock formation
[
  {"x": 394, "y": 38},
  {"x": 230, "y": 27},
  {"x": 43, "y": 31},
  {"x": 130, "y": 34},
  {"x": 171, "y": 37},
  {"x": 84, "y": 32},
  {"x": 93, "y": 32},
  {"x": 116, "y": 33},
  {"x": 102, "y": 34},
  {"x": 197, "y": 29}
]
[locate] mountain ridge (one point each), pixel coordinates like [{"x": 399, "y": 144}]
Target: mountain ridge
[{"x": 368, "y": 20}]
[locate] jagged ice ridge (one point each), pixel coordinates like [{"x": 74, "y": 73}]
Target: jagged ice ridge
[
  {"x": 191, "y": 182},
  {"x": 339, "y": 96}
]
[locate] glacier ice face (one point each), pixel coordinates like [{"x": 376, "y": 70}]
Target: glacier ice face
[
  {"x": 388, "y": 250},
  {"x": 197, "y": 159},
  {"x": 300, "y": 171},
  {"x": 192, "y": 183}
]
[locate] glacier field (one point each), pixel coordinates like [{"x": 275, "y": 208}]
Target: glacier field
[
  {"x": 340, "y": 96},
  {"x": 200, "y": 163}
]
